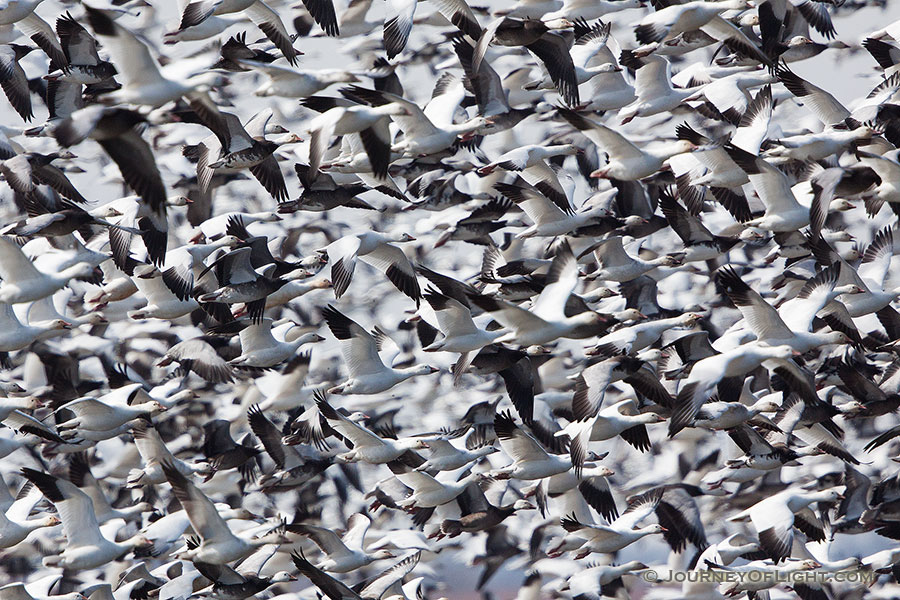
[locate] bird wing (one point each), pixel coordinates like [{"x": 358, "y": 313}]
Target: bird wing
[
  {"x": 201, "y": 512},
  {"x": 130, "y": 55},
  {"x": 608, "y": 140},
  {"x": 825, "y": 106},
  {"x": 453, "y": 317},
  {"x": 562, "y": 277},
  {"x": 761, "y": 317},
  {"x": 520, "y": 446},
  {"x": 271, "y": 24},
  {"x": 770, "y": 184},
  {"x": 74, "y": 507}
]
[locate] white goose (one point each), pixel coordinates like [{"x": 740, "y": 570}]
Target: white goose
[
  {"x": 142, "y": 82},
  {"x": 622, "y": 418},
  {"x": 774, "y": 518},
  {"x": 547, "y": 320},
  {"x": 15, "y": 525},
  {"x": 375, "y": 249},
  {"x": 427, "y": 131},
  {"x": 769, "y": 325},
  {"x": 260, "y": 349},
  {"x": 551, "y": 218},
  {"x": 367, "y": 373},
  {"x": 783, "y": 212},
  {"x": 460, "y": 332},
  {"x": 86, "y": 548},
  {"x": 626, "y": 161},
  {"x": 530, "y": 460},
  {"x": 653, "y": 86},
  {"x": 367, "y": 446},
  {"x": 617, "y": 265},
  {"x": 634, "y": 338},
  {"x": 154, "y": 454},
  {"x": 708, "y": 372},
  {"x": 22, "y": 282},
  {"x": 343, "y": 554},
  {"x": 618, "y": 534},
  {"x": 292, "y": 83},
  {"x": 15, "y": 336},
  {"x": 218, "y": 545},
  {"x": 94, "y": 415}
]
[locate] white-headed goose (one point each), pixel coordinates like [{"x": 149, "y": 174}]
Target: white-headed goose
[
  {"x": 375, "y": 249},
  {"x": 218, "y": 545},
  {"x": 86, "y": 548},
  {"x": 367, "y": 446},
  {"x": 346, "y": 553}
]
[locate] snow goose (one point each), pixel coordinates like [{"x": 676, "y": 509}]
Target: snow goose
[
  {"x": 460, "y": 334},
  {"x": 530, "y": 460},
  {"x": 238, "y": 147},
  {"x": 699, "y": 243},
  {"x": 626, "y": 161},
  {"x": 367, "y": 446},
  {"x": 426, "y": 131},
  {"x": 367, "y": 372},
  {"x": 268, "y": 21},
  {"x": 116, "y": 130},
  {"x": 775, "y": 517},
  {"x": 427, "y": 491},
  {"x": 350, "y": 118},
  {"x": 375, "y": 249},
  {"x": 760, "y": 454},
  {"x": 620, "y": 419},
  {"x": 161, "y": 302},
  {"x": 15, "y": 336},
  {"x": 870, "y": 277},
  {"x": 490, "y": 94},
  {"x": 528, "y": 156},
  {"x": 291, "y": 83},
  {"x": 767, "y": 323},
  {"x": 15, "y": 525},
  {"x": 590, "y": 9},
  {"x": 22, "y": 282},
  {"x": 634, "y": 338},
  {"x": 86, "y": 548},
  {"x": 593, "y": 382},
  {"x": 153, "y": 452},
  {"x": 85, "y": 65},
  {"x": 551, "y": 217},
  {"x": 80, "y": 474},
  {"x": 706, "y": 374},
  {"x": 783, "y": 212},
  {"x": 343, "y": 554},
  {"x": 621, "y": 532},
  {"x": 823, "y": 105},
  {"x": 260, "y": 349},
  {"x": 228, "y": 584},
  {"x": 240, "y": 283},
  {"x": 617, "y": 265},
  {"x": 478, "y": 514},
  {"x": 218, "y": 545},
  {"x": 547, "y": 320},
  {"x": 537, "y": 37},
  {"x": 199, "y": 356},
  {"x": 444, "y": 456},
  {"x": 653, "y": 87},
  {"x": 727, "y": 415},
  {"x": 142, "y": 82},
  {"x": 587, "y": 46},
  {"x": 94, "y": 415}
]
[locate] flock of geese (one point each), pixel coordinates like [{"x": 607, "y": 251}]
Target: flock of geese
[{"x": 402, "y": 300}]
